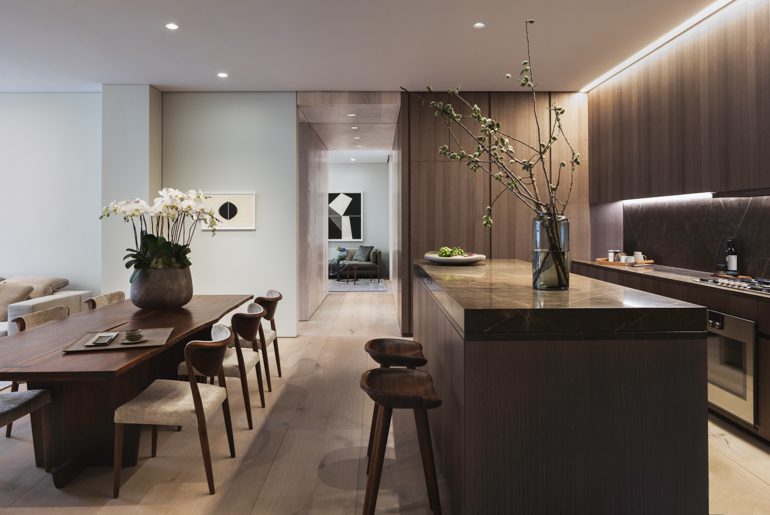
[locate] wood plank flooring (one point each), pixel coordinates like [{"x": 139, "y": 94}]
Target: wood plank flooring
[{"x": 307, "y": 451}]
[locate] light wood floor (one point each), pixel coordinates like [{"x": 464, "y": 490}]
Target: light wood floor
[{"x": 306, "y": 453}]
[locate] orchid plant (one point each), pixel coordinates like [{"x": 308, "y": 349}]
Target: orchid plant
[{"x": 164, "y": 230}]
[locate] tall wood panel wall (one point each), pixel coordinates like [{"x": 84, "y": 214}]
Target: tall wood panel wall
[
  {"x": 693, "y": 116},
  {"x": 444, "y": 201},
  {"x": 313, "y": 211}
]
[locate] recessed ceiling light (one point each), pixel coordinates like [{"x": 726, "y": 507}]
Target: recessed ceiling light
[
  {"x": 359, "y": 146},
  {"x": 354, "y": 128},
  {"x": 351, "y": 114},
  {"x": 479, "y": 25},
  {"x": 172, "y": 26},
  {"x": 222, "y": 75},
  {"x": 352, "y": 158},
  {"x": 652, "y": 47},
  {"x": 356, "y": 137}
]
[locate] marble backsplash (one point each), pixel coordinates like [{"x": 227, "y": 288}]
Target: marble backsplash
[{"x": 691, "y": 233}]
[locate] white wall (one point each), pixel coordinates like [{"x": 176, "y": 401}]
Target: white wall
[
  {"x": 50, "y": 181},
  {"x": 240, "y": 142},
  {"x": 131, "y": 167},
  {"x": 372, "y": 180}
]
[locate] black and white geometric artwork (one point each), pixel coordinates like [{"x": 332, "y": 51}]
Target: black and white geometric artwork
[
  {"x": 235, "y": 211},
  {"x": 346, "y": 217}
]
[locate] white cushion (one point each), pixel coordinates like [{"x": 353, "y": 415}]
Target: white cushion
[
  {"x": 3, "y": 329},
  {"x": 170, "y": 403},
  {"x": 270, "y": 336},
  {"x": 230, "y": 363}
]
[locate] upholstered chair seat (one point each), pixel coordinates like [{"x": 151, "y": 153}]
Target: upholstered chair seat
[
  {"x": 170, "y": 403},
  {"x": 17, "y": 404},
  {"x": 270, "y": 336}
]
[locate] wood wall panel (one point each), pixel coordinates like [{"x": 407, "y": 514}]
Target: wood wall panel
[
  {"x": 400, "y": 273},
  {"x": 447, "y": 203},
  {"x": 313, "y": 212},
  {"x": 575, "y": 124},
  {"x": 426, "y": 132},
  {"x": 689, "y": 117}
]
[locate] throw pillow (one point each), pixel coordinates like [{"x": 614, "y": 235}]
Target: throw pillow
[
  {"x": 362, "y": 254},
  {"x": 41, "y": 286},
  {"x": 11, "y": 293}
]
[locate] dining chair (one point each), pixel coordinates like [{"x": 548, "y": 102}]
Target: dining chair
[
  {"x": 238, "y": 360},
  {"x": 270, "y": 302},
  {"x": 104, "y": 300},
  {"x": 28, "y": 322},
  {"x": 176, "y": 403},
  {"x": 15, "y": 405}
]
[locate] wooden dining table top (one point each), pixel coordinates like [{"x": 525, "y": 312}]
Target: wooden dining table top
[{"x": 38, "y": 353}]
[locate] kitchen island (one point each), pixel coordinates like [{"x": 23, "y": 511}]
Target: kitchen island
[{"x": 589, "y": 400}]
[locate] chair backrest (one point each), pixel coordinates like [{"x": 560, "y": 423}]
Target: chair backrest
[
  {"x": 41, "y": 317},
  {"x": 105, "y": 300},
  {"x": 246, "y": 325},
  {"x": 270, "y": 302},
  {"x": 206, "y": 356}
]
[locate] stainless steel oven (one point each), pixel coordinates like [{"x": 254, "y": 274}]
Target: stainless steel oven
[{"x": 731, "y": 358}]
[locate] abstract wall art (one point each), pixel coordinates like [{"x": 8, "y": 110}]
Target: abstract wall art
[
  {"x": 236, "y": 211},
  {"x": 346, "y": 217}
]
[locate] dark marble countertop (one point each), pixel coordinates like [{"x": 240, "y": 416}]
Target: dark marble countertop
[
  {"x": 495, "y": 299},
  {"x": 674, "y": 274}
]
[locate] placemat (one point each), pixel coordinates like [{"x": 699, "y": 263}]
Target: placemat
[{"x": 156, "y": 337}]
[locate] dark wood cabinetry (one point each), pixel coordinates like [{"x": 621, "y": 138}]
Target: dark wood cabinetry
[
  {"x": 690, "y": 117},
  {"x": 737, "y": 304}
]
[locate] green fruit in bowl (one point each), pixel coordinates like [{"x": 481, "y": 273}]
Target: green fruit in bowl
[{"x": 450, "y": 252}]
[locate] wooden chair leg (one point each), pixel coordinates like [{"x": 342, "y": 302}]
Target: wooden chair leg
[
  {"x": 229, "y": 427},
  {"x": 378, "y": 457},
  {"x": 9, "y": 427},
  {"x": 277, "y": 356},
  {"x": 178, "y": 428},
  {"x": 371, "y": 439},
  {"x": 45, "y": 415},
  {"x": 204, "y": 439},
  {"x": 154, "y": 441},
  {"x": 428, "y": 464},
  {"x": 246, "y": 398},
  {"x": 117, "y": 460},
  {"x": 258, "y": 368},
  {"x": 267, "y": 366}
]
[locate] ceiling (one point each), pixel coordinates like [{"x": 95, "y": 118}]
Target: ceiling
[{"x": 329, "y": 45}]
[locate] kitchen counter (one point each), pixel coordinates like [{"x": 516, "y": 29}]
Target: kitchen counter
[
  {"x": 588, "y": 400},
  {"x": 495, "y": 298}
]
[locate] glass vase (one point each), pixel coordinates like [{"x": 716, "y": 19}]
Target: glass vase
[{"x": 550, "y": 252}]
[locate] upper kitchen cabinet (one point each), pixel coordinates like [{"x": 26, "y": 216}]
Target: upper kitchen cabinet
[{"x": 689, "y": 117}]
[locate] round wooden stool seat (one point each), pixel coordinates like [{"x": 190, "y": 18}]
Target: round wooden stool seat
[
  {"x": 396, "y": 352},
  {"x": 399, "y": 388}
]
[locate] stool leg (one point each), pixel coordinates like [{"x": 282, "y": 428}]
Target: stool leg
[
  {"x": 371, "y": 438},
  {"x": 378, "y": 456},
  {"x": 154, "y": 440},
  {"x": 9, "y": 427},
  {"x": 428, "y": 465}
]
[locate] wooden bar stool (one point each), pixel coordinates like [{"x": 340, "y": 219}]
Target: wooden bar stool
[
  {"x": 392, "y": 352},
  {"x": 399, "y": 388}
]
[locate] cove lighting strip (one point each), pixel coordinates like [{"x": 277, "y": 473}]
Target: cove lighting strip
[
  {"x": 671, "y": 198},
  {"x": 668, "y": 36}
]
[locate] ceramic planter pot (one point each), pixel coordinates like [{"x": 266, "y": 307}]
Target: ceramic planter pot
[{"x": 165, "y": 288}]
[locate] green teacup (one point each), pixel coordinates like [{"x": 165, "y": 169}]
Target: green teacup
[{"x": 134, "y": 334}]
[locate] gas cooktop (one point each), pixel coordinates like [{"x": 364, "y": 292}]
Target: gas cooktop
[{"x": 761, "y": 286}]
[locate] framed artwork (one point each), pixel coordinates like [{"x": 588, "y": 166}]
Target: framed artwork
[
  {"x": 346, "y": 217},
  {"x": 236, "y": 211}
]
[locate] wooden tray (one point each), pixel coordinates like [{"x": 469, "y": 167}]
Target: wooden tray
[
  {"x": 154, "y": 338},
  {"x": 607, "y": 262}
]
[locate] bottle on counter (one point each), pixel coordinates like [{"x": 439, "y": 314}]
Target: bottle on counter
[{"x": 731, "y": 257}]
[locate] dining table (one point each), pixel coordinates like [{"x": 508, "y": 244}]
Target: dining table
[{"x": 86, "y": 387}]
